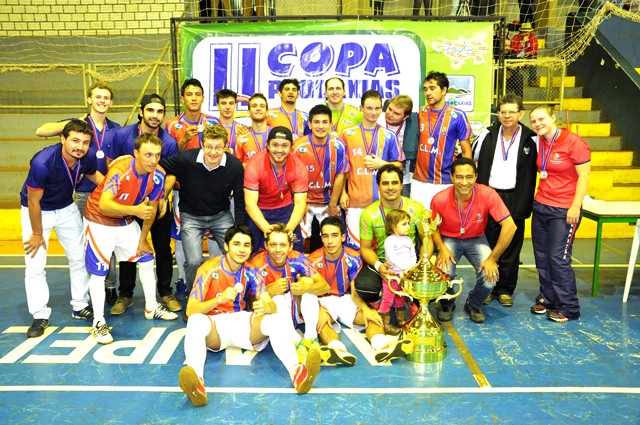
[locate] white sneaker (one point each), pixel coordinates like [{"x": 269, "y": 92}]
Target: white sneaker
[
  {"x": 102, "y": 333},
  {"x": 160, "y": 312}
]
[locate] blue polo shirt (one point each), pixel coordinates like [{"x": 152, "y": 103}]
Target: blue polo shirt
[
  {"x": 104, "y": 138},
  {"x": 124, "y": 142},
  {"x": 49, "y": 172}
]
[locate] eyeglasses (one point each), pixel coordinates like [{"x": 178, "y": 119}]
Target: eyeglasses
[
  {"x": 216, "y": 149},
  {"x": 506, "y": 113}
]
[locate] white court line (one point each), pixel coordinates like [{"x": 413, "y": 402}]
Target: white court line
[{"x": 236, "y": 390}]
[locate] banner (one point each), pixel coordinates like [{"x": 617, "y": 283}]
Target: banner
[{"x": 392, "y": 57}]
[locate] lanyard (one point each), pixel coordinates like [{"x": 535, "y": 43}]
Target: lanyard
[
  {"x": 239, "y": 276},
  {"x": 505, "y": 154},
  {"x": 384, "y": 216},
  {"x": 545, "y": 157},
  {"x": 463, "y": 223},
  {"x": 374, "y": 139},
  {"x": 284, "y": 178},
  {"x": 232, "y": 136},
  {"x": 323, "y": 163},
  {"x": 441, "y": 115},
  {"x": 95, "y": 131},
  {"x": 338, "y": 271},
  {"x": 294, "y": 121},
  {"x": 74, "y": 182},
  {"x": 199, "y": 123},
  {"x": 334, "y": 127}
]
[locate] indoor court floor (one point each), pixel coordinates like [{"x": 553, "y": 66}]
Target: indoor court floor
[{"x": 516, "y": 368}]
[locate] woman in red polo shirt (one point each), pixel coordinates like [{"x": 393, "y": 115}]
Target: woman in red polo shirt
[{"x": 564, "y": 164}]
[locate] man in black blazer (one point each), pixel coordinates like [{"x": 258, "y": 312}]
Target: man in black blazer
[{"x": 506, "y": 154}]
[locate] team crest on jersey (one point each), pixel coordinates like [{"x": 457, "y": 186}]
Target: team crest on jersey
[
  {"x": 349, "y": 262},
  {"x": 156, "y": 180},
  {"x": 351, "y": 132},
  {"x": 352, "y": 114},
  {"x": 526, "y": 150},
  {"x": 410, "y": 210},
  {"x": 454, "y": 114},
  {"x": 332, "y": 165},
  {"x": 479, "y": 217},
  {"x": 215, "y": 275},
  {"x": 179, "y": 126},
  {"x": 263, "y": 273},
  {"x": 424, "y": 109},
  {"x": 443, "y": 130},
  {"x": 292, "y": 269},
  {"x": 303, "y": 149},
  {"x": 556, "y": 156},
  {"x": 319, "y": 265},
  {"x": 273, "y": 114}
]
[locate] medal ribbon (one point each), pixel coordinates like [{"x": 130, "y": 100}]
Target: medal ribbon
[
  {"x": 238, "y": 276},
  {"x": 232, "y": 136},
  {"x": 74, "y": 182},
  {"x": 463, "y": 224},
  {"x": 284, "y": 177},
  {"x": 95, "y": 131},
  {"x": 384, "y": 216},
  {"x": 545, "y": 157},
  {"x": 334, "y": 127},
  {"x": 323, "y": 163},
  {"x": 505, "y": 154},
  {"x": 293, "y": 121},
  {"x": 440, "y": 118},
  {"x": 260, "y": 144},
  {"x": 374, "y": 139},
  {"x": 338, "y": 271}
]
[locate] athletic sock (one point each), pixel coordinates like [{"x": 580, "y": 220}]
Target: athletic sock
[
  {"x": 96, "y": 291},
  {"x": 148, "y": 279},
  {"x": 195, "y": 345}
]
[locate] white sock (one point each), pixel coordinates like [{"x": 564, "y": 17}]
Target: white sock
[
  {"x": 148, "y": 279},
  {"x": 96, "y": 291},
  {"x": 378, "y": 341},
  {"x": 310, "y": 309},
  {"x": 279, "y": 328},
  {"x": 337, "y": 344},
  {"x": 195, "y": 345},
  {"x": 180, "y": 259}
]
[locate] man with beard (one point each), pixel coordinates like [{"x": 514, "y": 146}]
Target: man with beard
[
  {"x": 151, "y": 115},
  {"x": 287, "y": 115}
]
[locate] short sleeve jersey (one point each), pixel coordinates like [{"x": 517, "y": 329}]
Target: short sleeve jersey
[
  {"x": 214, "y": 276},
  {"x": 275, "y": 189},
  {"x": 232, "y": 134},
  {"x": 372, "y": 222},
  {"x": 250, "y": 144},
  {"x": 99, "y": 140},
  {"x": 323, "y": 163},
  {"x": 348, "y": 116},
  {"x": 567, "y": 151},
  {"x": 360, "y": 142},
  {"x": 128, "y": 187},
  {"x": 297, "y": 121},
  {"x": 49, "y": 173},
  {"x": 177, "y": 127},
  {"x": 439, "y": 133},
  {"x": 473, "y": 218},
  {"x": 124, "y": 142},
  {"x": 339, "y": 273},
  {"x": 296, "y": 263}
]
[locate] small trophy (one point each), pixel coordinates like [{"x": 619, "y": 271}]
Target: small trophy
[{"x": 425, "y": 282}]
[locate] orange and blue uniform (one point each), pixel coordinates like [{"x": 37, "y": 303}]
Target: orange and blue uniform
[
  {"x": 250, "y": 144},
  {"x": 177, "y": 127},
  {"x": 339, "y": 273}
]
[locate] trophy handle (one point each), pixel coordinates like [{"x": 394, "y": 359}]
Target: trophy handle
[
  {"x": 446, "y": 296},
  {"x": 400, "y": 293}
]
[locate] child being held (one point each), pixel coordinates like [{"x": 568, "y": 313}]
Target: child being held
[{"x": 400, "y": 255}]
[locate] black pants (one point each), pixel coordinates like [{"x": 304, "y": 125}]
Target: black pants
[
  {"x": 509, "y": 262},
  {"x": 368, "y": 284},
  {"x": 418, "y": 3},
  {"x": 161, "y": 238}
]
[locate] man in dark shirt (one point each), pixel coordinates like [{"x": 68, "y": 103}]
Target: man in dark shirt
[{"x": 208, "y": 176}]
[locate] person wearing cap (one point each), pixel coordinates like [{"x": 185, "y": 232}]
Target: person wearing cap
[
  {"x": 287, "y": 115},
  {"x": 525, "y": 46},
  {"x": 150, "y": 115},
  {"x": 208, "y": 176},
  {"x": 275, "y": 188}
]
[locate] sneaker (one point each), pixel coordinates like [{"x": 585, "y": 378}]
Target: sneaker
[
  {"x": 181, "y": 290},
  {"x": 505, "y": 300},
  {"x": 111, "y": 296},
  {"x": 445, "y": 314},
  {"x": 171, "y": 303},
  {"x": 121, "y": 305},
  {"x": 336, "y": 357},
  {"x": 193, "y": 386},
  {"x": 538, "y": 309},
  {"x": 160, "y": 312},
  {"x": 84, "y": 314},
  {"x": 305, "y": 374},
  {"x": 556, "y": 316},
  {"x": 102, "y": 333},
  {"x": 475, "y": 314},
  {"x": 37, "y": 328},
  {"x": 488, "y": 300},
  {"x": 394, "y": 350},
  {"x": 301, "y": 351}
]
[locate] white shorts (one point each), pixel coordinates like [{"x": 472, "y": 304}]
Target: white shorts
[
  {"x": 341, "y": 309},
  {"x": 424, "y": 192},
  {"x": 352, "y": 220},
  {"x": 234, "y": 330},
  {"x": 307, "y": 220},
  {"x": 103, "y": 240}
]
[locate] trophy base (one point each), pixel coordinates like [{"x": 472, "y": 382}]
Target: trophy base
[{"x": 427, "y": 335}]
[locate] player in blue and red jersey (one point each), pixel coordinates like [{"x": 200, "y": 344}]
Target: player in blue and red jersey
[
  {"x": 287, "y": 115},
  {"x": 255, "y": 140},
  {"x": 133, "y": 186},
  {"x": 218, "y": 318}
]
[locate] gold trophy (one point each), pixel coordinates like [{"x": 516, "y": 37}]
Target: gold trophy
[{"x": 425, "y": 282}]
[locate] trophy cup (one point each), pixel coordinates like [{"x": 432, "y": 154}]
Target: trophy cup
[{"x": 426, "y": 283}]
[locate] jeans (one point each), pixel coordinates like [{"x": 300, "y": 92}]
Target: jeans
[
  {"x": 476, "y": 250},
  {"x": 192, "y": 230}
]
